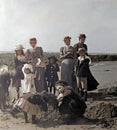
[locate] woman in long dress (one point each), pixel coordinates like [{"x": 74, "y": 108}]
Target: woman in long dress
[
  {"x": 40, "y": 79},
  {"x": 67, "y": 58},
  {"x": 20, "y": 60}
]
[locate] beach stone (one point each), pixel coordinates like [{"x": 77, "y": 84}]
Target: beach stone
[{"x": 101, "y": 110}]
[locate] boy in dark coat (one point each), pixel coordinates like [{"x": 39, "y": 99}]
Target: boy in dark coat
[
  {"x": 51, "y": 73},
  {"x": 85, "y": 79}
]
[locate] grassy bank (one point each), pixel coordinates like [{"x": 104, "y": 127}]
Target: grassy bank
[{"x": 8, "y": 58}]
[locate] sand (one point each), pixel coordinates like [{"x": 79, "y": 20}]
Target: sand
[{"x": 105, "y": 73}]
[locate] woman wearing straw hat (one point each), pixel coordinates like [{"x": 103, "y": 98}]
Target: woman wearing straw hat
[
  {"x": 67, "y": 57},
  {"x": 20, "y": 60}
]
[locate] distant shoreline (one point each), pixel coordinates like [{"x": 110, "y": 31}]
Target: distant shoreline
[{"x": 8, "y": 57}]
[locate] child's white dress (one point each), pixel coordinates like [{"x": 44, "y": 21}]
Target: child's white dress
[{"x": 28, "y": 84}]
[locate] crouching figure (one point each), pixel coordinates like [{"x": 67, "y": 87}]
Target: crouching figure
[
  {"x": 4, "y": 85},
  {"x": 69, "y": 102},
  {"x": 30, "y": 104}
]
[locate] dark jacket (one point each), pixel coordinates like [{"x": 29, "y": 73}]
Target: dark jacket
[
  {"x": 51, "y": 72},
  {"x": 83, "y": 70},
  {"x": 18, "y": 67}
]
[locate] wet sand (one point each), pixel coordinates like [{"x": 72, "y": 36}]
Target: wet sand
[{"x": 104, "y": 72}]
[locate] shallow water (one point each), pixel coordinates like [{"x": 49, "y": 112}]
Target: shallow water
[{"x": 105, "y": 72}]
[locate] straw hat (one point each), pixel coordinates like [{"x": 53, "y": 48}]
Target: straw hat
[{"x": 19, "y": 47}]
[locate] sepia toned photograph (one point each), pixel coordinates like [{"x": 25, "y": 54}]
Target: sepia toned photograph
[{"x": 58, "y": 65}]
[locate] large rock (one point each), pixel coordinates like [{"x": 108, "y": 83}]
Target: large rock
[
  {"x": 110, "y": 89},
  {"x": 101, "y": 110}
]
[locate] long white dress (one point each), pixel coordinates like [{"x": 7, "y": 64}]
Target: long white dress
[{"x": 28, "y": 84}]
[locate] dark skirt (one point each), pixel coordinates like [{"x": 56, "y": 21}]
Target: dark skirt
[
  {"x": 92, "y": 83},
  {"x": 67, "y": 70}
]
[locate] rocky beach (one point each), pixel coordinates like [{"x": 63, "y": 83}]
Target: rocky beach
[{"x": 101, "y": 113}]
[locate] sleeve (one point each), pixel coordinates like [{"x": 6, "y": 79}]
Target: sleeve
[
  {"x": 75, "y": 51},
  {"x": 28, "y": 55},
  {"x": 8, "y": 80},
  {"x": 75, "y": 47},
  {"x": 86, "y": 47},
  {"x": 57, "y": 67},
  {"x": 61, "y": 53},
  {"x": 39, "y": 53},
  {"x": 16, "y": 63}
]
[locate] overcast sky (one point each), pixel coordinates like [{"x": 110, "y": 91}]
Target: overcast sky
[{"x": 50, "y": 20}]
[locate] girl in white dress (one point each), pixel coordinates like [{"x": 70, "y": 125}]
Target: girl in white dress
[{"x": 28, "y": 84}]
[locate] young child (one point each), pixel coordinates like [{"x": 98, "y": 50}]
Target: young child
[
  {"x": 28, "y": 84},
  {"x": 29, "y": 104},
  {"x": 85, "y": 79},
  {"x": 51, "y": 73},
  {"x": 40, "y": 79}
]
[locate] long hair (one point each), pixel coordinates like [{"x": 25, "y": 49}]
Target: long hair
[{"x": 17, "y": 53}]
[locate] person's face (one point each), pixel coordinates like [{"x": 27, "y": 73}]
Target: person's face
[
  {"x": 33, "y": 43},
  {"x": 27, "y": 71},
  {"x": 82, "y": 40},
  {"x": 52, "y": 61},
  {"x": 59, "y": 89},
  {"x": 82, "y": 53},
  {"x": 67, "y": 42},
  {"x": 19, "y": 52}
]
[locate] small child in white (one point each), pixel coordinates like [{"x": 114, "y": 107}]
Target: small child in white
[{"x": 28, "y": 84}]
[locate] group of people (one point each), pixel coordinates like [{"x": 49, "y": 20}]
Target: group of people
[
  {"x": 75, "y": 66},
  {"x": 32, "y": 74},
  {"x": 35, "y": 80}
]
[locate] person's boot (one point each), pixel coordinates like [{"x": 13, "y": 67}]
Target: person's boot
[
  {"x": 85, "y": 96},
  {"x": 33, "y": 119},
  {"x": 82, "y": 93}
]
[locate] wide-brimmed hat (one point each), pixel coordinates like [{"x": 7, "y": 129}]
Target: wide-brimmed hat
[
  {"x": 19, "y": 47},
  {"x": 81, "y": 50}
]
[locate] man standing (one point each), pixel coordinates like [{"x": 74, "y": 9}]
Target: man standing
[
  {"x": 34, "y": 53},
  {"x": 80, "y": 44}
]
